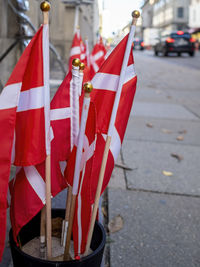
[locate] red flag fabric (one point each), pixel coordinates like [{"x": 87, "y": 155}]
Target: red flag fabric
[
  {"x": 83, "y": 57},
  {"x": 105, "y": 84},
  {"x": 27, "y": 192},
  {"x": 27, "y": 189},
  {"x": 61, "y": 119},
  {"x": 75, "y": 48},
  {"x": 97, "y": 57},
  {"x": 83, "y": 207},
  {"x": 22, "y": 104}
]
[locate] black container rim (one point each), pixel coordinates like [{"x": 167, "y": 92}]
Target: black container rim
[{"x": 96, "y": 251}]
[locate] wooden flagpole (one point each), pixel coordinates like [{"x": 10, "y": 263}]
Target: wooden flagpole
[
  {"x": 135, "y": 16},
  {"x": 45, "y": 7},
  {"x": 42, "y": 232},
  {"x": 75, "y": 130},
  {"x": 86, "y": 103}
]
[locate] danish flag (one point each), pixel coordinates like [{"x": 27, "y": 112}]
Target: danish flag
[
  {"x": 83, "y": 206},
  {"x": 105, "y": 84},
  {"x": 24, "y": 116},
  {"x": 78, "y": 49},
  {"x": 27, "y": 189},
  {"x": 97, "y": 57}
]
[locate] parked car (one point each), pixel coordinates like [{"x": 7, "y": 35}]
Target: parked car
[
  {"x": 138, "y": 44},
  {"x": 175, "y": 42}
]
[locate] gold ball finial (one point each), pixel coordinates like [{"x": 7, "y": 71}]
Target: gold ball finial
[
  {"x": 45, "y": 6},
  {"x": 82, "y": 66},
  {"x": 76, "y": 62},
  {"x": 87, "y": 87},
  {"x": 136, "y": 14}
]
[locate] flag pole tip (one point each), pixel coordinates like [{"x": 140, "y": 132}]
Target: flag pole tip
[
  {"x": 87, "y": 87},
  {"x": 82, "y": 66},
  {"x": 136, "y": 14},
  {"x": 45, "y": 6},
  {"x": 76, "y": 62}
]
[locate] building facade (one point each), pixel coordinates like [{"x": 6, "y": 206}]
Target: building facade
[
  {"x": 194, "y": 19},
  {"x": 171, "y": 14},
  {"x": 62, "y": 17},
  {"x": 166, "y": 15},
  {"x": 147, "y": 14},
  {"x": 194, "y": 14}
]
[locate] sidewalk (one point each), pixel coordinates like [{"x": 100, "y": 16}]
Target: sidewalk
[{"x": 160, "y": 213}]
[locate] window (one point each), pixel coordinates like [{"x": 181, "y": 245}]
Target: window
[{"x": 180, "y": 12}]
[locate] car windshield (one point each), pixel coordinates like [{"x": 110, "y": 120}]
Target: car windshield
[{"x": 183, "y": 35}]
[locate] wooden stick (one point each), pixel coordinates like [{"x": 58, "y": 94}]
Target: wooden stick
[
  {"x": 69, "y": 200},
  {"x": 135, "y": 15},
  {"x": 98, "y": 193},
  {"x": 87, "y": 88},
  {"x": 69, "y": 228},
  {"x": 42, "y": 232},
  {"x": 48, "y": 207},
  {"x": 67, "y": 213},
  {"x": 45, "y": 7}
]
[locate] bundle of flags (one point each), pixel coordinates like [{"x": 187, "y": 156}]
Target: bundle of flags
[
  {"x": 92, "y": 61},
  {"x": 24, "y": 133}
]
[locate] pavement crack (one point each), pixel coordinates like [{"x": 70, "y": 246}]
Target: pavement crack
[
  {"x": 124, "y": 170},
  {"x": 106, "y": 221},
  {"x": 162, "y": 192},
  {"x": 191, "y": 111},
  {"x": 161, "y": 142}
]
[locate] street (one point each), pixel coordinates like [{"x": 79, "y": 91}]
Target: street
[
  {"x": 184, "y": 60},
  {"x": 159, "y": 198}
]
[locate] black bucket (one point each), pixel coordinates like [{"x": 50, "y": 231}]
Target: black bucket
[{"x": 32, "y": 229}]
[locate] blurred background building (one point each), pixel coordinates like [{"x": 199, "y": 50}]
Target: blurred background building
[
  {"x": 19, "y": 19},
  {"x": 194, "y": 19},
  {"x": 159, "y": 16}
]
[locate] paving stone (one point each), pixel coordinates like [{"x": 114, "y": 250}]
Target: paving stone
[
  {"x": 159, "y": 230},
  {"x": 150, "y": 159}
]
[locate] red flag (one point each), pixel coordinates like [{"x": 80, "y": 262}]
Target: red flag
[
  {"x": 105, "y": 84},
  {"x": 83, "y": 56},
  {"x": 97, "y": 57},
  {"x": 83, "y": 202},
  {"x": 75, "y": 48},
  {"x": 28, "y": 195},
  {"x": 61, "y": 119},
  {"x": 22, "y": 105},
  {"x": 27, "y": 189}
]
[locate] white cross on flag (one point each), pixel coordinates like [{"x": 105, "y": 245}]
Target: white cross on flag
[
  {"x": 97, "y": 57},
  {"x": 24, "y": 116},
  {"x": 78, "y": 49}
]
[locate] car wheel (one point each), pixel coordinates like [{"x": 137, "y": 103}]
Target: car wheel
[
  {"x": 191, "y": 54},
  {"x": 155, "y": 53},
  {"x": 179, "y": 54}
]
